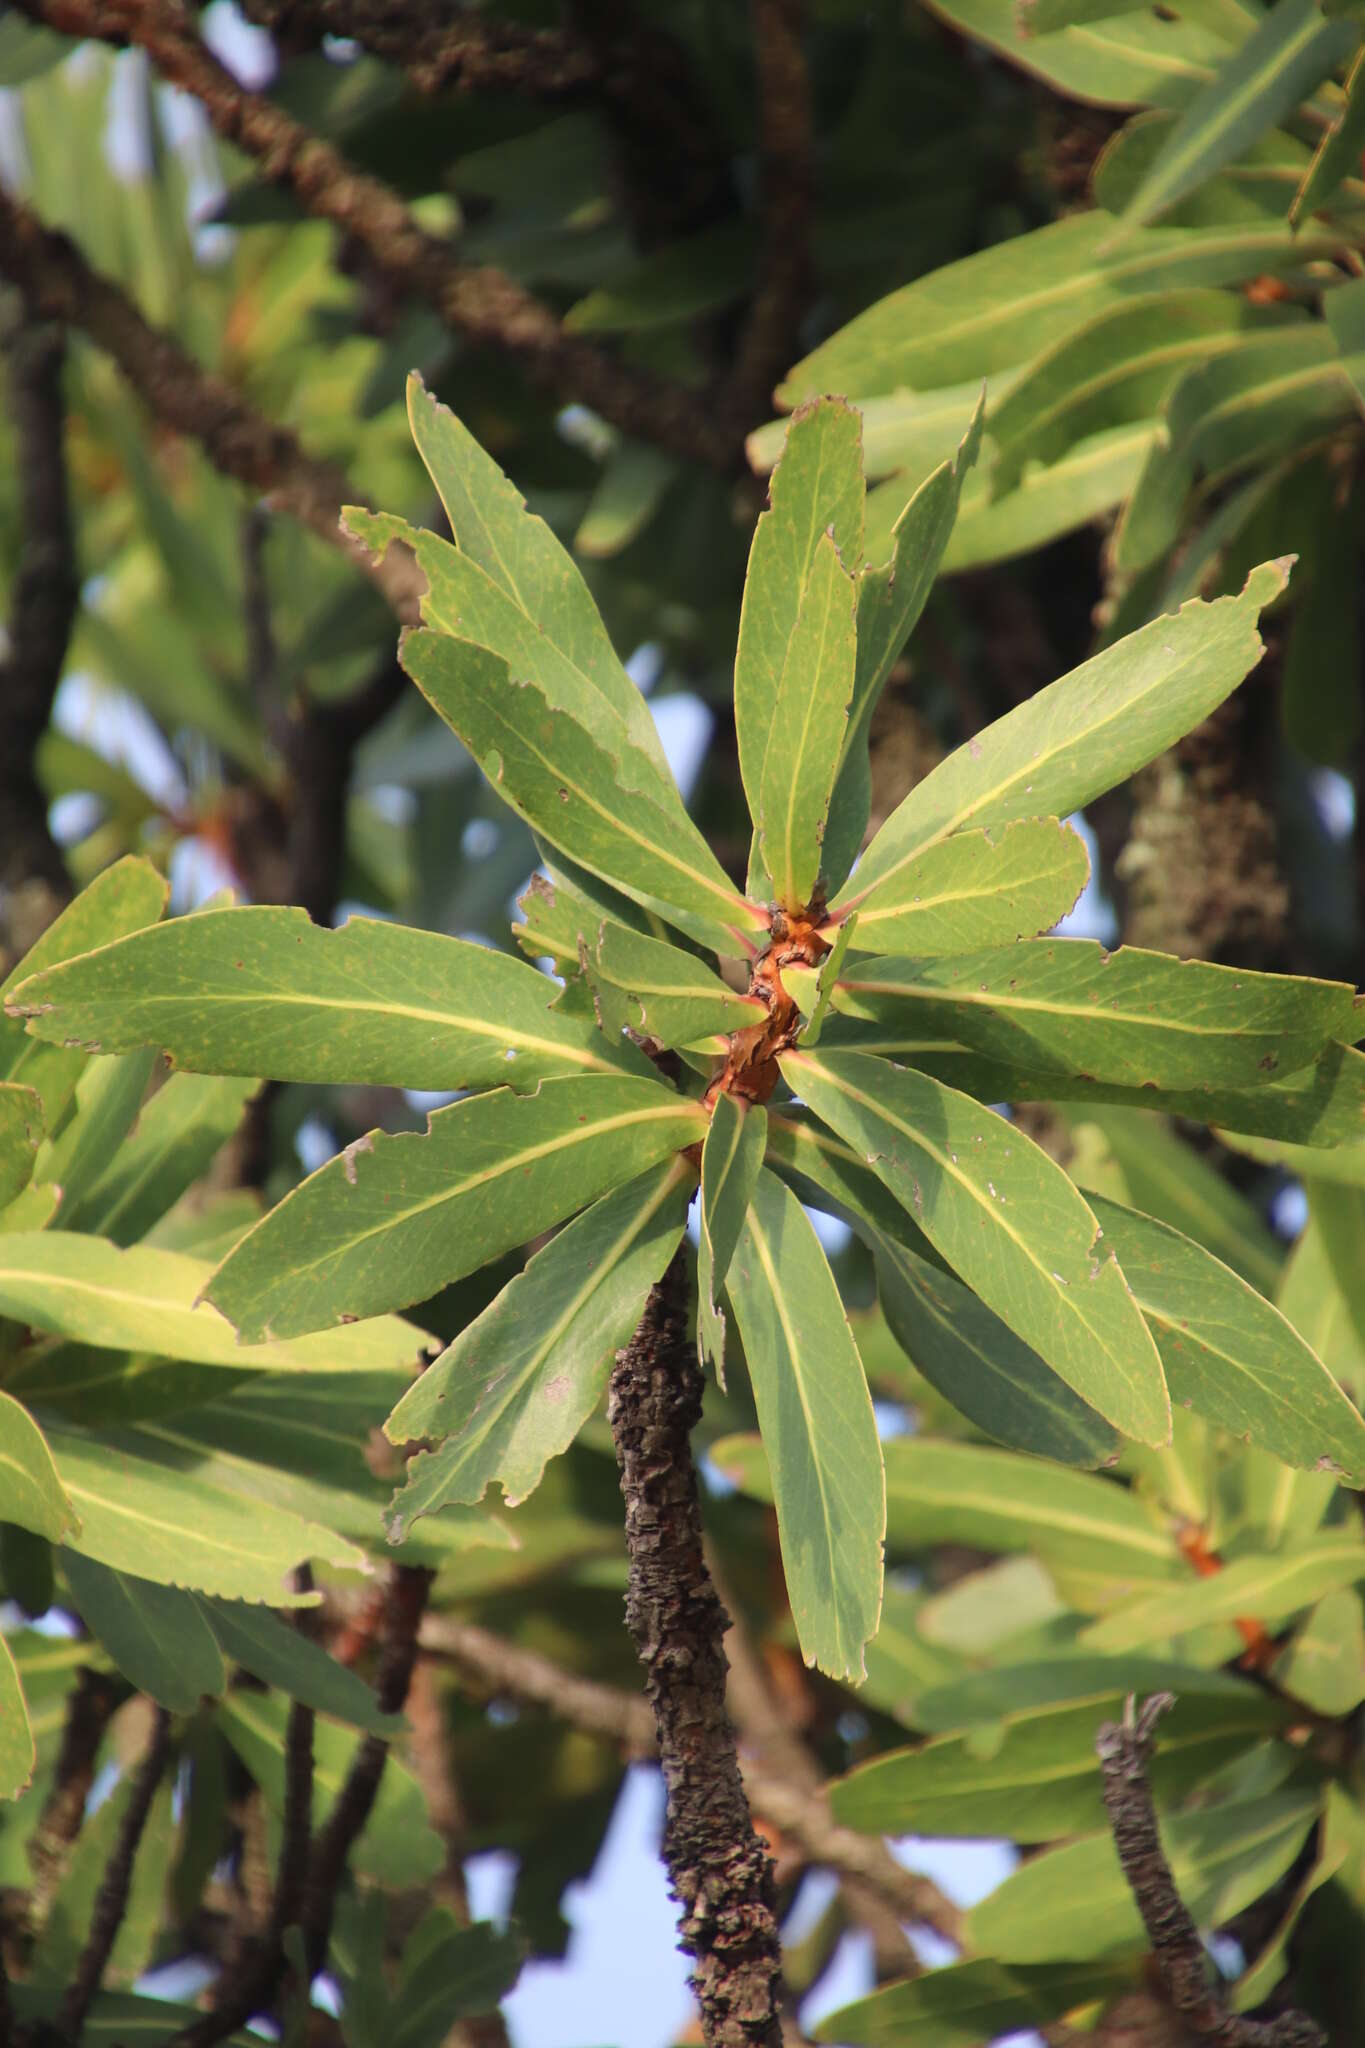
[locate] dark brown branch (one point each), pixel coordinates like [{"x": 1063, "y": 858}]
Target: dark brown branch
[
  {"x": 786, "y": 200},
  {"x": 88, "y": 1713},
  {"x": 111, "y": 1900},
  {"x": 719, "y": 1871},
  {"x": 34, "y": 884},
  {"x": 1124, "y": 1750},
  {"x": 481, "y": 303},
  {"x": 442, "y": 48},
  {"x": 58, "y": 282}
]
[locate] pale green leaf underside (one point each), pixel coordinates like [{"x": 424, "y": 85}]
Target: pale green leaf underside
[
  {"x": 31, "y": 1493},
  {"x": 810, "y": 714},
  {"x": 818, "y": 1428},
  {"x": 16, "y": 1736},
  {"x": 1268, "y": 1588},
  {"x": 658, "y": 991},
  {"x": 21, "y": 1127},
  {"x": 395, "y": 1218},
  {"x": 972, "y": 889}
]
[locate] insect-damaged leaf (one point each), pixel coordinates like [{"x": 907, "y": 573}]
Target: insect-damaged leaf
[
  {"x": 1009, "y": 1221},
  {"x": 975, "y": 888},
  {"x": 569, "y": 788},
  {"x": 819, "y": 1431},
  {"x": 394, "y": 1219},
  {"x": 730, "y": 1163},
  {"x": 261, "y": 991},
  {"x": 1134, "y": 1017},
  {"x": 659, "y": 991},
  {"x": 1082, "y": 734},
  {"x": 518, "y": 1383},
  {"x": 21, "y": 1127}
]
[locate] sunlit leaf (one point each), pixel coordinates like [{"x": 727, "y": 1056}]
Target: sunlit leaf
[
  {"x": 730, "y": 1161},
  {"x": 30, "y": 1491},
  {"x": 972, "y": 889}
]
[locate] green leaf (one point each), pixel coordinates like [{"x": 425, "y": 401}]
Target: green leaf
[
  {"x": 178, "y": 1134},
  {"x": 1074, "y": 1903},
  {"x": 1021, "y": 296},
  {"x": 1338, "y": 153},
  {"x": 1094, "y": 475},
  {"x": 1230, "y": 1355},
  {"x": 818, "y": 1429},
  {"x": 832, "y": 1175},
  {"x": 67, "y": 1928},
  {"x": 988, "y": 1696},
  {"x": 155, "y": 1634},
  {"x": 121, "y": 2019},
  {"x": 809, "y": 719},
  {"x": 519, "y": 1382},
  {"x": 1338, "y": 1165},
  {"x": 1035, "y": 1776},
  {"x": 628, "y": 493},
  {"x": 1324, "y": 1664},
  {"x": 1006, "y": 1218},
  {"x": 815, "y": 1001},
  {"x": 142, "y": 1299},
  {"x": 30, "y": 1489},
  {"x": 989, "y": 887},
  {"x": 993, "y": 1500},
  {"x": 141, "y": 1516},
  {"x": 891, "y": 596},
  {"x": 108, "y": 1096},
  {"x": 730, "y": 1162},
  {"x": 967, "y": 2004},
  {"x": 450, "y": 1973},
  {"x": 266, "y": 992},
  {"x": 396, "y": 1847},
  {"x": 1338, "y": 1217},
  {"x": 658, "y": 991},
  {"x": 1285, "y": 59},
  {"x": 127, "y": 896},
  {"x": 816, "y": 493},
  {"x": 1083, "y": 734},
  {"x": 286, "y": 1658},
  {"x": 554, "y": 774},
  {"x": 21, "y": 1127},
  {"x": 1135, "y": 59},
  {"x": 978, "y": 1364},
  {"x": 17, "y": 1752},
  {"x": 1141, "y": 1019},
  {"x": 396, "y": 1218},
  {"x": 1266, "y": 1587}
]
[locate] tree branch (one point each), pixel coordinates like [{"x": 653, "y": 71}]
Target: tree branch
[
  {"x": 718, "y": 1869},
  {"x": 111, "y": 1900},
  {"x": 34, "y": 883},
  {"x": 442, "y": 48},
  {"x": 787, "y": 202},
  {"x": 1124, "y": 1750},
  {"x": 88, "y": 1713},
  {"x": 481, "y": 303}
]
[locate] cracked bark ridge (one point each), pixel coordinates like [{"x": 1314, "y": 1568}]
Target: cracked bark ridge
[
  {"x": 719, "y": 1870},
  {"x": 1124, "y": 1750}
]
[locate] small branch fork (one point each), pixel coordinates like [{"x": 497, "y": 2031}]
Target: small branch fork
[{"x": 1124, "y": 1750}]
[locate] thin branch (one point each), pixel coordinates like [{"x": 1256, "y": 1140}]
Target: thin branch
[
  {"x": 111, "y": 1900},
  {"x": 442, "y": 48},
  {"x": 786, "y": 199},
  {"x": 34, "y": 883},
  {"x": 802, "y": 1814},
  {"x": 1124, "y": 1750},
  {"x": 481, "y": 303},
  {"x": 719, "y": 1871},
  {"x": 58, "y": 282},
  {"x": 88, "y": 1713}
]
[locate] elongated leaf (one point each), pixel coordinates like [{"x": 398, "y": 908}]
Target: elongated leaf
[
  {"x": 560, "y": 916},
  {"x": 1083, "y": 734},
  {"x": 1338, "y": 152},
  {"x": 833, "y": 1175},
  {"x": 127, "y": 896},
  {"x": 809, "y": 721},
  {"x": 1324, "y": 1665},
  {"x": 815, "y": 1001},
  {"x": 659, "y": 991},
  {"x": 567, "y": 787},
  {"x": 175, "y": 1527},
  {"x": 1165, "y": 1177},
  {"x": 175, "y": 1139},
  {"x": 31, "y": 1494},
  {"x": 1042, "y": 1779},
  {"x": 123, "y": 2019},
  {"x": 816, "y": 491},
  {"x": 978, "y": 1364},
  {"x": 1074, "y": 1903},
  {"x": 266, "y": 992},
  {"x": 1267, "y": 1588},
  {"x": 948, "y": 326},
  {"x": 142, "y": 1299},
  {"x": 397, "y": 1845},
  {"x": 21, "y": 1127},
  {"x": 283, "y": 1656},
  {"x": 818, "y": 1429},
  {"x": 451, "y": 1973},
  {"x": 967, "y": 2004},
  {"x": 1284, "y": 60},
  {"x": 1006, "y": 1218},
  {"x": 518, "y": 1383},
  {"x": 108, "y": 1096},
  {"x": 1134, "y": 1017},
  {"x": 1229, "y": 1354},
  {"x": 1012, "y": 1689},
  {"x": 891, "y": 596},
  {"x": 393, "y": 1219},
  {"x": 1338, "y": 1217},
  {"x": 67, "y": 1928},
  {"x": 730, "y": 1162},
  {"x": 1091, "y": 478},
  {"x": 1340, "y": 1165},
  {"x": 17, "y": 1753},
  {"x": 1131, "y": 59},
  {"x": 156, "y": 1634},
  {"x": 975, "y": 888}
]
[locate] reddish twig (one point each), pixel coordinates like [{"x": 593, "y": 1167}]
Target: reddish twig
[{"x": 1124, "y": 1750}]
